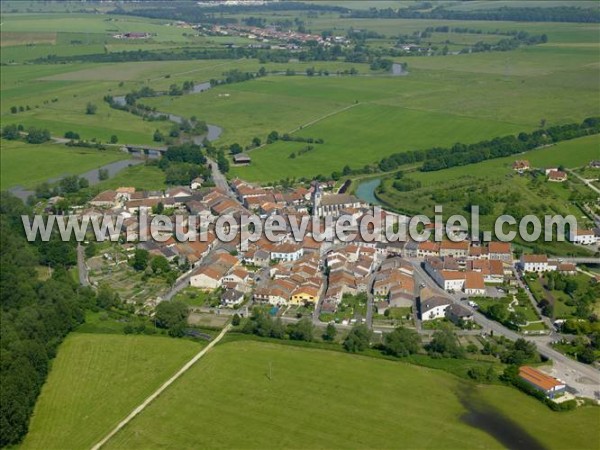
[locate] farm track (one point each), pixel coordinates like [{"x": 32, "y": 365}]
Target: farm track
[{"x": 161, "y": 389}]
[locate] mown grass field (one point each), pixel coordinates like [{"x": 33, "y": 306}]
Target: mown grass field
[
  {"x": 228, "y": 400},
  {"x": 142, "y": 177},
  {"x": 95, "y": 381},
  {"x": 28, "y": 165}
]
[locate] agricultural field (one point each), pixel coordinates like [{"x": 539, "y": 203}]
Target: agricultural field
[
  {"x": 212, "y": 392},
  {"x": 28, "y": 165},
  {"x": 95, "y": 381}
]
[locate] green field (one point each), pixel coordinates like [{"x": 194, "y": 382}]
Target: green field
[
  {"x": 95, "y": 381},
  {"x": 349, "y": 402},
  {"x": 98, "y": 379},
  {"x": 28, "y": 165},
  {"x": 141, "y": 177},
  {"x": 509, "y": 193}
]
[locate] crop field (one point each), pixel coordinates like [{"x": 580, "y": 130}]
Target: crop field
[
  {"x": 335, "y": 408},
  {"x": 95, "y": 381},
  {"x": 27, "y": 164}
]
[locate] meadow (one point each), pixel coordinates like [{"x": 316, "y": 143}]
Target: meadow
[
  {"x": 95, "y": 381},
  {"x": 350, "y": 402},
  {"x": 28, "y": 165},
  {"x": 443, "y": 100}
]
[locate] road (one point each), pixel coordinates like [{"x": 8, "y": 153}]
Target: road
[
  {"x": 581, "y": 377},
  {"x": 584, "y": 181},
  {"x": 82, "y": 267},
  {"x": 161, "y": 389},
  {"x": 219, "y": 179}
]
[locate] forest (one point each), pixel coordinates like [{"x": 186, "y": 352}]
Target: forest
[{"x": 36, "y": 315}]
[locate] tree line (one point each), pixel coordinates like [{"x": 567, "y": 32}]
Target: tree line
[
  {"x": 36, "y": 315},
  {"x": 438, "y": 158},
  {"x": 532, "y": 14}
]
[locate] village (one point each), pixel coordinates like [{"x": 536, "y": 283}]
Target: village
[{"x": 373, "y": 282}]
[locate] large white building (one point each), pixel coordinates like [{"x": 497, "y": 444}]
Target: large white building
[
  {"x": 535, "y": 263},
  {"x": 433, "y": 307},
  {"x": 583, "y": 237}
]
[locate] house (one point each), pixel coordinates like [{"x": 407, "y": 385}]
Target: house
[
  {"x": 104, "y": 199},
  {"x": 433, "y": 307},
  {"x": 521, "y": 165},
  {"x": 534, "y": 263},
  {"x": 242, "y": 159},
  {"x": 427, "y": 248},
  {"x": 450, "y": 280},
  {"x": 305, "y": 294},
  {"x": 557, "y": 176},
  {"x": 583, "y": 237},
  {"x": 458, "y": 313},
  {"x": 474, "y": 283},
  {"x": 454, "y": 249},
  {"x": 196, "y": 183},
  {"x": 287, "y": 252},
  {"x": 550, "y": 386},
  {"x": 232, "y": 297},
  {"x": 500, "y": 250},
  {"x": 594, "y": 164}
]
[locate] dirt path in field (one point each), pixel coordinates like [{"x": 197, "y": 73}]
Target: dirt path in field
[
  {"x": 161, "y": 389},
  {"x": 326, "y": 116}
]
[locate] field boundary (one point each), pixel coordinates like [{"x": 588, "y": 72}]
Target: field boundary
[{"x": 161, "y": 389}]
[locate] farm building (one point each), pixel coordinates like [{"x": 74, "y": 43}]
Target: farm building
[
  {"x": 542, "y": 382},
  {"x": 242, "y": 159}
]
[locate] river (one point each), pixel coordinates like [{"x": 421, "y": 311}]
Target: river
[
  {"x": 213, "y": 133},
  {"x": 91, "y": 175},
  {"x": 366, "y": 191}
]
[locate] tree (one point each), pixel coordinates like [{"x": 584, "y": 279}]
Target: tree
[
  {"x": 69, "y": 184},
  {"x": 158, "y": 136},
  {"x": 235, "y": 320},
  {"x": 171, "y": 315},
  {"x": 330, "y": 333},
  {"x": 402, "y": 342},
  {"x": 91, "y": 249},
  {"x": 114, "y": 139},
  {"x": 103, "y": 174},
  {"x": 106, "y": 297},
  {"x": 256, "y": 142},
  {"x": 160, "y": 264},
  {"x": 358, "y": 339},
  {"x": 498, "y": 312},
  {"x": 235, "y": 148},
  {"x": 11, "y": 132},
  {"x": 302, "y": 330},
  {"x": 71, "y": 135},
  {"x": 159, "y": 209},
  {"x": 90, "y": 108},
  {"x": 587, "y": 356},
  {"x": 140, "y": 259},
  {"x": 445, "y": 344},
  {"x": 13, "y": 109},
  {"x": 37, "y": 135},
  {"x": 272, "y": 137}
]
